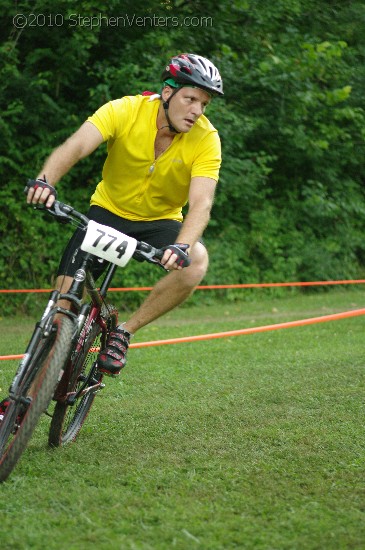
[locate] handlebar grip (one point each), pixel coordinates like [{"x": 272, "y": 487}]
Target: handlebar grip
[
  {"x": 61, "y": 211},
  {"x": 182, "y": 259},
  {"x": 40, "y": 183}
]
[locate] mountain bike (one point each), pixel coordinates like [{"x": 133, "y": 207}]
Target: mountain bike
[{"x": 60, "y": 361}]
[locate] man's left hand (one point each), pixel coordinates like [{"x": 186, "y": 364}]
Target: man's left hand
[{"x": 175, "y": 256}]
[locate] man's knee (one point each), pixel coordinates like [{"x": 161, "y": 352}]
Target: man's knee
[{"x": 198, "y": 267}]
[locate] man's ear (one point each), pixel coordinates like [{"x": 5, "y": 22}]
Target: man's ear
[{"x": 166, "y": 92}]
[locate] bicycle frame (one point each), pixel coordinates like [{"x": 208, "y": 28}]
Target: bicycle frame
[
  {"x": 61, "y": 358},
  {"x": 87, "y": 315},
  {"x": 78, "y": 312}
]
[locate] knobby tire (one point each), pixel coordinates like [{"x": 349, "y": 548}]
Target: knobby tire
[
  {"x": 44, "y": 372},
  {"x": 68, "y": 419}
]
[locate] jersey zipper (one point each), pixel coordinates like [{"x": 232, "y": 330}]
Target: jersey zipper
[{"x": 150, "y": 172}]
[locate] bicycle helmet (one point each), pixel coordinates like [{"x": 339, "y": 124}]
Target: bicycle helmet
[
  {"x": 189, "y": 69},
  {"x": 196, "y": 71}
]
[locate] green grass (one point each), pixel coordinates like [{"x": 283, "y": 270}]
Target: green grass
[{"x": 250, "y": 442}]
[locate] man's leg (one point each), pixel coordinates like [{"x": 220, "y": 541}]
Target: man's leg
[
  {"x": 171, "y": 290},
  {"x": 168, "y": 293}
]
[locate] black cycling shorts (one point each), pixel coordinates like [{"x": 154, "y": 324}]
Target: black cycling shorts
[{"x": 158, "y": 233}]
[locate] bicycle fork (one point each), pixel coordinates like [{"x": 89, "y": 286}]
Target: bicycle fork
[{"x": 42, "y": 329}]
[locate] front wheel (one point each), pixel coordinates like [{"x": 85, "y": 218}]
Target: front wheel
[
  {"x": 80, "y": 384},
  {"x": 34, "y": 394}
]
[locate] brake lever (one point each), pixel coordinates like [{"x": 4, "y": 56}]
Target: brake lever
[
  {"x": 54, "y": 211},
  {"x": 148, "y": 254}
]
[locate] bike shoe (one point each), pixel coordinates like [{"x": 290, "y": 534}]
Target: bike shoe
[{"x": 112, "y": 359}]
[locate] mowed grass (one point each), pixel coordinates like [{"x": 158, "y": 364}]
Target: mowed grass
[{"x": 249, "y": 442}]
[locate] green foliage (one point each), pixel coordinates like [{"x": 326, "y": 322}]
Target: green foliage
[{"x": 290, "y": 201}]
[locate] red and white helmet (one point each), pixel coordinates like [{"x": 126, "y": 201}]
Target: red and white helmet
[{"x": 199, "y": 72}]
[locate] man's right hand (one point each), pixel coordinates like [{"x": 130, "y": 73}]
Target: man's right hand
[{"x": 41, "y": 192}]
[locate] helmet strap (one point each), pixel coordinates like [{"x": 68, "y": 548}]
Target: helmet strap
[{"x": 165, "y": 105}]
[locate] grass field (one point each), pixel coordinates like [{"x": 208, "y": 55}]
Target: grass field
[{"x": 250, "y": 442}]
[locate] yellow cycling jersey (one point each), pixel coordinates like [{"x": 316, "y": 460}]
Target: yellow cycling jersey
[{"x": 134, "y": 184}]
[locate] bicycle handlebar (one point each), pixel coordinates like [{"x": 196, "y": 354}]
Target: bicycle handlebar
[{"x": 65, "y": 213}]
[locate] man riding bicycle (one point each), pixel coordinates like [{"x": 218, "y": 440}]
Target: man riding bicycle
[{"x": 162, "y": 153}]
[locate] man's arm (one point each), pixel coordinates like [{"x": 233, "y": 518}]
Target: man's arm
[
  {"x": 201, "y": 197},
  {"x": 79, "y": 145}
]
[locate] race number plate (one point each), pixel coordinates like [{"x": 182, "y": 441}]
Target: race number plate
[{"x": 108, "y": 243}]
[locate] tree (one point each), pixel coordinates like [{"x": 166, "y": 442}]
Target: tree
[{"x": 290, "y": 200}]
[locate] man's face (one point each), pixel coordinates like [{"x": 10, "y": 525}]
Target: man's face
[{"x": 186, "y": 106}]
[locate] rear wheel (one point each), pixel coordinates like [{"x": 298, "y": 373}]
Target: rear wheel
[
  {"x": 80, "y": 384},
  {"x": 34, "y": 393}
]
